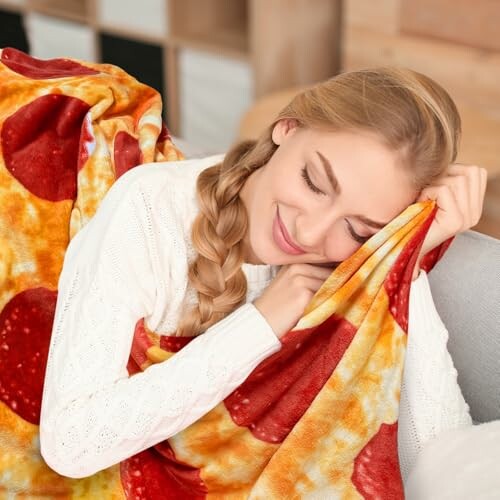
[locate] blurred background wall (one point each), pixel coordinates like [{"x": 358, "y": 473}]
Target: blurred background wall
[
  {"x": 455, "y": 42},
  {"x": 225, "y": 67}
]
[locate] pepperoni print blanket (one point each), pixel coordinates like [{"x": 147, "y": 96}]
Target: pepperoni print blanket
[{"x": 317, "y": 419}]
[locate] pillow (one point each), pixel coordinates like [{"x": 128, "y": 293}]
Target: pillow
[{"x": 459, "y": 464}]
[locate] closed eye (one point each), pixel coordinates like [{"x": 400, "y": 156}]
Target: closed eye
[
  {"x": 355, "y": 236},
  {"x": 313, "y": 187}
]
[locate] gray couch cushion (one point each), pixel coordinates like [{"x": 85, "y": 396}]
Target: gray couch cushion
[{"x": 465, "y": 286}]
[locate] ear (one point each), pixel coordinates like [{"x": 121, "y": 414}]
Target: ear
[{"x": 283, "y": 128}]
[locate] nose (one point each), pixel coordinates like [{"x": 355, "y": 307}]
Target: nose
[{"x": 312, "y": 232}]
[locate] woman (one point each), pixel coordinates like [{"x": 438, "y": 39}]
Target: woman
[{"x": 231, "y": 248}]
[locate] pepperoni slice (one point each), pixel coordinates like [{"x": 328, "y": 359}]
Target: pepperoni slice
[
  {"x": 171, "y": 343},
  {"x": 398, "y": 281},
  {"x": 39, "y": 69},
  {"x": 155, "y": 473},
  {"x": 40, "y": 144},
  {"x": 278, "y": 392},
  {"x": 140, "y": 344},
  {"x": 87, "y": 142},
  {"x": 127, "y": 153},
  {"x": 376, "y": 472},
  {"x": 164, "y": 134},
  {"x": 25, "y": 329}
]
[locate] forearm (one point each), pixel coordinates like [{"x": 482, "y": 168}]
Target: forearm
[{"x": 101, "y": 427}]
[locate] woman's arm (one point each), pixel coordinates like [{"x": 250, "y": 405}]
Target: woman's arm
[
  {"x": 93, "y": 414},
  {"x": 431, "y": 399}
]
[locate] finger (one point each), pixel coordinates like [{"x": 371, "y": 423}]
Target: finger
[
  {"x": 483, "y": 179},
  {"x": 484, "y": 182},
  {"x": 449, "y": 216},
  {"x": 460, "y": 187},
  {"x": 477, "y": 177},
  {"x": 321, "y": 271},
  {"x": 314, "y": 270},
  {"x": 313, "y": 284},
  {"x": 476, "y": 196},
  {"x": 458, "y": 167}
]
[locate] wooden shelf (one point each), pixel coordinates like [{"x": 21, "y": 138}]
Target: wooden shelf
[
  {"x": 71, "y": 10},
  {"x": 144, "y": 19},
  {"x": 214, "y": 24},
  {"x": 12, "y": 6},
  {"x": 227, "y": 43},
  {"x": 130, "y": 33}
]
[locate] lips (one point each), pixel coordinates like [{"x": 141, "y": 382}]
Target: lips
[{"x": 283, "y": 239}]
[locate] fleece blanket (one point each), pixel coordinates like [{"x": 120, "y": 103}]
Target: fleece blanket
[{"x": 318, "y": 419}]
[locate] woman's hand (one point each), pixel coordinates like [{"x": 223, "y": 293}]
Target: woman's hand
[
  {"x": 459, "y": 195},
  {"x": 283, "y": 302}
]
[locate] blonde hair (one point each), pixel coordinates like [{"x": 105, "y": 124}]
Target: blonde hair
[{"x": 411, "y": 113}]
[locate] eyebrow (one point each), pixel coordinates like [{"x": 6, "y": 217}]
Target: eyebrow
[
  {"x": 336, "y": 187},
  {"x": 329, "y": 173}
]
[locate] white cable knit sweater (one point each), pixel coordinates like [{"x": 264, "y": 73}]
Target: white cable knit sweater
[{"x": 130, "y": 261}]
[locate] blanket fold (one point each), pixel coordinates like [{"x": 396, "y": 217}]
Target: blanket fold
[{"x": 317, "y": 419}]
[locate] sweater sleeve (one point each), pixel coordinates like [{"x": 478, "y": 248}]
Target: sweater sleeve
[
  {"x": 431, "y": 399},
  {"x": 93, "y": 414}
]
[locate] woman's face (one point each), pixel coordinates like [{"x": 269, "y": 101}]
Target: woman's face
[{"x": 295, "y": 191}]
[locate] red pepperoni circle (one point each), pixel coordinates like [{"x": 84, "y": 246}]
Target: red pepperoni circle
[
  {"x": 164, "y": 133},
  {"x": 398, "y": 281},
  {"x": 281, "y": 388},
  {"x": 171, "y": 343},
  {"x": 376, "y": 472},
  {"x": 127, "y": 153},
  {"x": 30, "y": 67},
  {"x": 155, "y": 473},
  {"x": 25, "y": 329},
  {"x": 40, "y": 144},
  {"x": 140, "y": 344}
]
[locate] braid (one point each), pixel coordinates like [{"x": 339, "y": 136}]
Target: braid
[{"x": 217, "y": 234}]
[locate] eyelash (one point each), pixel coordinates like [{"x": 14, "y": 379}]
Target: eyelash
[
  {"x": 307, "y": 179},
  {"x": 359, "y": 239}
]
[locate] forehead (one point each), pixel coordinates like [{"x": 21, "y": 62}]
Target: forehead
[
  {"x": 372, "y": 180},
  {"x": 358, "y": 145}
]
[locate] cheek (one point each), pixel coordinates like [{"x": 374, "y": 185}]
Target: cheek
[
  {"x": 291, "y": 191},
  {"x": 339, "y": 245},
  {"x": 263, "y": 214},
  {"x": 284, "y": 179}
]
